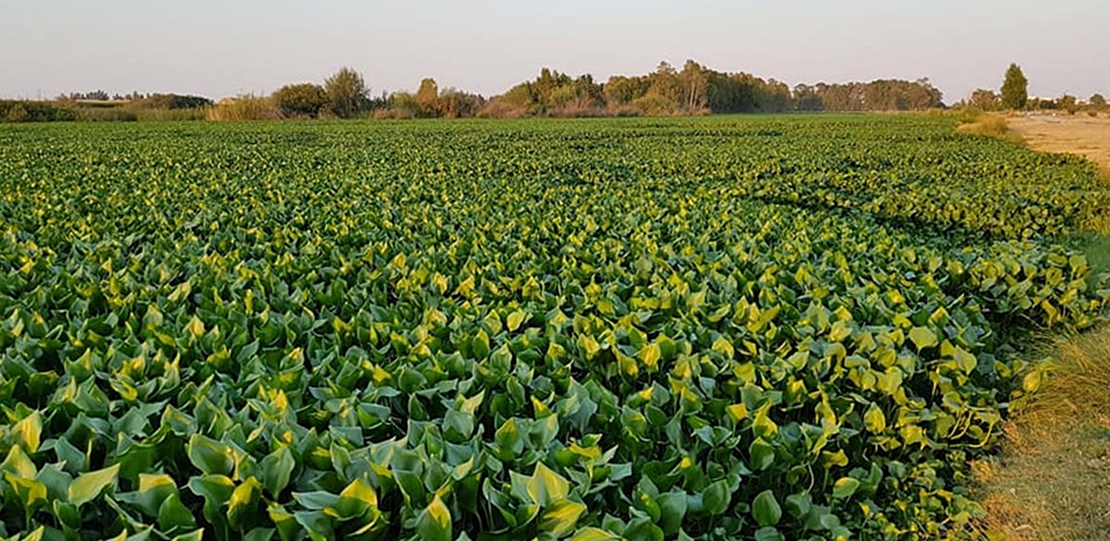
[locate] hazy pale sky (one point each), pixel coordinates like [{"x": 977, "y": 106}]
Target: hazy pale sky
[{"x": 227, "y": 47}]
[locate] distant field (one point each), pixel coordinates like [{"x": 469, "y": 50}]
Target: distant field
[
  {"x": 711, "y": 328},
  {"x": 1080, "y": 135}
]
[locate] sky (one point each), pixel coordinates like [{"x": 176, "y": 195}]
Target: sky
[{"x": 218, "y": 48}]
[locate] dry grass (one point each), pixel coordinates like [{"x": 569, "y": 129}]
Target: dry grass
[
  {"x": 1052, "y": 481},
  {"x": 991, "y": 126},
  {"x": 245, "y": 108}
]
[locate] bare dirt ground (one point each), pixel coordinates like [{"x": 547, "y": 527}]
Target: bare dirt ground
[{"x": 1077, "y": 134}]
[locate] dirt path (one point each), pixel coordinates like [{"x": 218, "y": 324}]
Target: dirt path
[{"x": 1082, "y": 135}]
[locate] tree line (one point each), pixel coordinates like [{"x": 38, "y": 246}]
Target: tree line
[
  {"x": 693, "y": 90},
  {"x": 1014, "y": 96}
]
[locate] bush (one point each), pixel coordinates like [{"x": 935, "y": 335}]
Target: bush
[
  {"x": 655, "y": 105},
  {"x": 18, "y": 113},
  {"x": 34, "y": 111},
  {"x": 502, "y": 109},
  {"x": 301, "y": 100}
]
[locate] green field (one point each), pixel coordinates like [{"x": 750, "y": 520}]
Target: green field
[{"x": 718, "y": 328}]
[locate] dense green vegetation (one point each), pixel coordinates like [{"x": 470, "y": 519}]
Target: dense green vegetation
[{"x": 715, "y": 328}]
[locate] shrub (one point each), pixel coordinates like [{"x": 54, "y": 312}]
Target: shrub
[
  {"x": 502, "y": 109},
  {"x": 655, "y": 105},
  {"x": 18, "y": 113},
  {"x": 305, "y": 99}
]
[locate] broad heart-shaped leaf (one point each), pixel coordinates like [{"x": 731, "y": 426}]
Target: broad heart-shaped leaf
[
  {"x": 358, "y": 499},
  {"x": 316, "y": 524},
  {"x": 799, "y": 504},
  {"x": 28, "y": 431},
  {"x": 672, "y": 509},
  {"x": 845, "y": 487},
  {"x": 210, "y": 456},
  {"x": 765, "y": 509},
  {"x": 153, "y": 490},
  {"x": 594, "y": 534},
  {"x": 173, "y": 516},
  {"x": 216, "y": 490},
  {"x": 762, "y": 453},
  {"x": 546, "y": 486},
  {"x": 88, "y": 486},
  {"x": 19, "y": 464},
  {"x": 717, "y": 498},
  {"x": 260, "y": 534},
  {"x": 923, "y": 338},
  {"x": 196, "y": 535},
  {"x": 243, "y": 500},
  {"x": 31, "y": 492},
  {"x": 769, "y": 533},
  {"x": 277, "y": 467},
  {"x": 559, "y": 518},
  {"x": 434, "y": 522}
]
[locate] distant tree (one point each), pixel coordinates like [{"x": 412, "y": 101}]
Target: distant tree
[
  {"x": 427, "y": 99},
  {"x": 621, "y": 90},
  {"x": 1069, "y": 104},
  {"x": 985, "y": 99},
  {"x": 306, "y": 99},
  {"x": 458, "y": 104},
  {"x": 404, "y": 105},
  {"x": 1097, "y": 101},
  {"x": 807, "y": 99},
  {"x": 693, "y": 86},
  {"x": 1015, "y": 88},
  {"x": 347, "y": 93}
]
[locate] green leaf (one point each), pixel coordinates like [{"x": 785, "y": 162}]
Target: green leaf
[
  {"x": 277, "y": 467},
  {"x": 28, "y": 431},
  {"x": 559, "y": 518},
  {"x": 845, "y": 487},
  {"x": 762, "y": 453},
  {"x": 672, "y": 509},
  {"x": 173, "y": 515},
  {"x": 923, "y": 338},
  {"x": 546, "y": 486},
  {"x": 243, "y": 499},
  {"x": 216, "y": 490},
  {"x": 479, "y": 345},
  {"x": 769, "y": 533},
  {"x": 594, "y": 534},
  {"x": 765, "y": 509},
  {"x": 799, "y": 504},
  {"x": 89, "y": 486},
  {"x": 197, "y": 535},
  {"x": 153, "y": 490},
  {"x": 31, "y": 492},
  {"x": 434, "y": 522},
  {"x": 210, "y": 456},
  {"x": 717, "y": 498}
]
